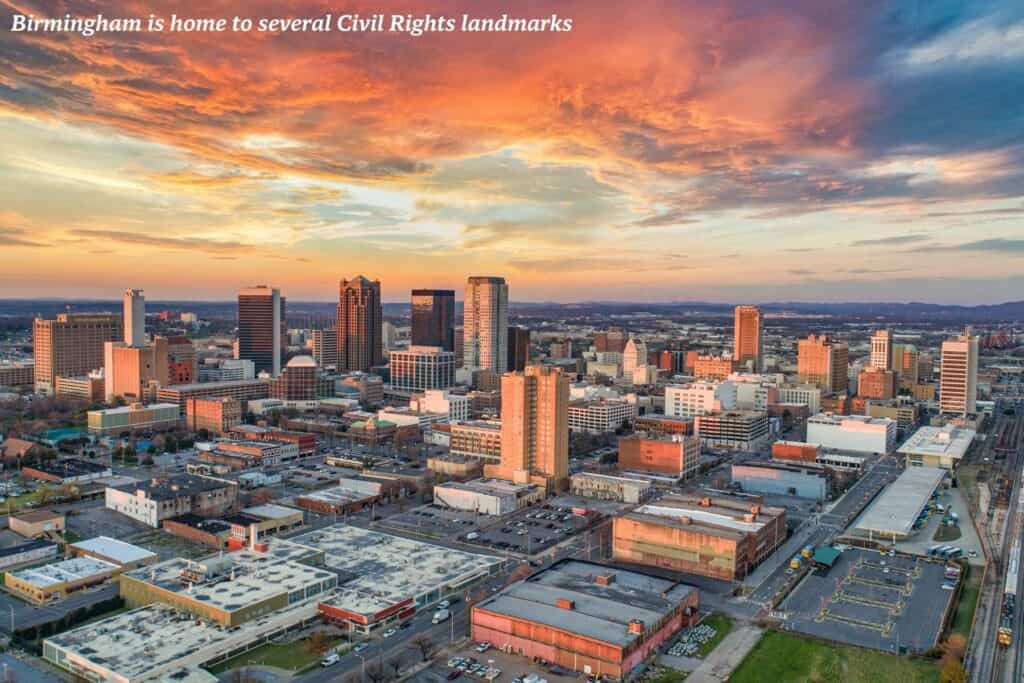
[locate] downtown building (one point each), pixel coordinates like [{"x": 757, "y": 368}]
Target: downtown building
[
  {"x": 602, "y": 416},
  {"x": 823, "y": 362},
  {"x": 742, "y": 430},
  {"x": 71, "y": 345},
  {"x": 485, "y": 324},
  {"x": 676, "y": 456},
  {"x": 699, "y": 398},
  {"x": 261, "y": 328},
  {"x": 534, "y": 428},
  {"x": 748, "y": 338},
  {"x": 518, "y": 348},
  {"x": 433, "y": 318},
  {"x": 958, "y": 381},
  {"x": 422, "y": 367},
  {"x": 360, "y": 317}
]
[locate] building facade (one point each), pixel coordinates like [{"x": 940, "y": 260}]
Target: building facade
[
  {"x": 485, "y": 324},
  {"x": 748, "y": 337},
  {"x": 261, "y": 328},
  {"x": 422, "y": 367},
  {"x": 958, "y": 381},
  {"x": 71, "y": 345},
  {"x": 823, "y": 362},
  {"x": 360, "y": 317}
]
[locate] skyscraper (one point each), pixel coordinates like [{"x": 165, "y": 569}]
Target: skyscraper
[
  {"x": 134, "y": 317},
  {"x": 433, "y": 318},
  {"x": 518, "y": 347},
  {"x": 823, "y": 362},
  {"x": 129, "y": 371},
  {"x": 325, "y": 347},
  {"x": 261, "y": 327},
  {"x": 881, "y": 350},
  {"x": 360, "y": 316},
  {"x": 958, "y": 381},
  {"x": 534, "y": 427},
  {"x": 633, "y": 355},
  {"x": 71, "y": 345},
  {"x": 614, "y": 340},
  {"x": 748, "y": 342},
  {"x": 485, "y": 324}
]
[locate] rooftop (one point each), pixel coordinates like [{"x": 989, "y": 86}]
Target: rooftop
[
  {"x": 134, "y": 408},
  {"x": 949, "y": 440},
  {"x": 388, "y": 569},
  {"x": 897, "y": 508},
  {"x": 271, "y": 511},
  {"x": 70, "y": 467},
  {"x": 176, "y": 487},
  {"x": 64, "y": 571},
  {"x": 115, "y": 550},
  {"x": 716, "y": 515},
  {"x": 601, "y": 611}
]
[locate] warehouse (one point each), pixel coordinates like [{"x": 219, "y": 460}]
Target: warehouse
[
  {"x": 856, "y": 433},
  {"x": 59, "y": 580},
  {"x": 124, "y": 555},
  {"x": 896, "y": 510},
  {"x": 586, "y": 617},
  {"x": 937, "y": 446},
  {"x": 712, "y": 535},
  {"x": 803, "y": 480},
  {"x": 487, "y": 496},
  {"x": 387, "y": 577},
  {"x": 607, "y": 487}
]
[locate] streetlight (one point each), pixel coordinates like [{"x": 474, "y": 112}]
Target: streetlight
[{"x": 362, "y": 659}]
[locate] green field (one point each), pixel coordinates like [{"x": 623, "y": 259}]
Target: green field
[
  {"x": 291, "y": 656},
  {"x": 968, "y": 603},
  {"x": 786, "y": 658},
  {"x": 722, "y": 625}
]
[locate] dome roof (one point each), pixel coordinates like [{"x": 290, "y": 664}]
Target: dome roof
[{"x": 301, "y": 362}]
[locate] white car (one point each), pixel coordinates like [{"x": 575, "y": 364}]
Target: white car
[
  {"x": 330, "y": 659},
  {"x": 483, "y": 647},
  {"x": 444, "y": 604},
  {"x": 390, "y": 632}
]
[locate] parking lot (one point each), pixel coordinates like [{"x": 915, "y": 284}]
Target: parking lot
[
  {"x": 510, "y": 665},
  {"x": 888, "y": 603}
]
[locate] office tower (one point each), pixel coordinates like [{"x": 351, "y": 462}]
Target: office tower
[
  {"x": 905, "y": 358},
  {"x": 360, "y": 316},
  {"x": 713, "y": 367},
  {"x": 614, "y": 340},
  {"x": 748, "y": 337},
  {"x": 671, "y": 360},
  {"x": 297, "y": 381},
  {"x": 876, "y": 383},
  {"x": 422, "y": 367},
  {"x": 958, "y": 379},
  {"x": 881, "y": 350},
  {"x": 459, "y": 346},
  {"x": 518, "y": 348},
  {"x": 132, "y": 372},
  {"x": 261, "y": 328},
  {"x": 181, "y": 361},
  {"x": 634, "y": 354},
  {"x": 71, "y": 345},
  {"x": 534, "y": 428},
  {"x": 433, "y": 318},
  {"x": 560, "y": 348},
  {"x": 823, "y": 362},
  {"x": 485, "y": 324},
  {"x": 134, "y": 317},
  {"x": 325, "y": 347}
]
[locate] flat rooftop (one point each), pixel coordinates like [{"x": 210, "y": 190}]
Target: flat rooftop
[
  {"x": 489, "y": 486},
  {"x": 176, "y": 486},
  {"x": 65, "y": 571},
  {"x": 246, "y": 578},
  {"x": 388, "y": 569},
  {"x": 722, "y": 516},
  {"x": 337, "y": 495},
  {"x": 113, "y": 549},
  {"x": 951, "y": 441},
  {"x": 602, "y": 612},
  {"x": 271, "y": 511},
  {"x": 619, "y": 479},
  {"x": 897, "y": 508},
  {"x": 125, "y": 410}
]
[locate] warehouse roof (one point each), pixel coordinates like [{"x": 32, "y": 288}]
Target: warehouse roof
[
  {"x": 590, "y": 600},
  {"x": 897, "y": 508},
  {"x": 114, "y": 550}
]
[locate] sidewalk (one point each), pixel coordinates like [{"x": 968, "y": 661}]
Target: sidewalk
[{"x": 724, "y": 659}]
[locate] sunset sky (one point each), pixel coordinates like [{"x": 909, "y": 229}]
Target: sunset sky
[{"x": 676, "y": 150}]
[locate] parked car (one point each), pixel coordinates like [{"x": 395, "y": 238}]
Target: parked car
[{"x": 330, "y": 659}]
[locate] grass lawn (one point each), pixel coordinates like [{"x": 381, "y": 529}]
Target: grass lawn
[
  {"x": 293, "y": 656},
  {"x": 787, "y": 658},
  {"x": 968, "y": 603},
  {"x": 946, "y": 533},
  {"x": 722, "y": 625}
]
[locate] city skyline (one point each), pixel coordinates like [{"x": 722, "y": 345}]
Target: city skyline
[{"x": 689, "y": 153}]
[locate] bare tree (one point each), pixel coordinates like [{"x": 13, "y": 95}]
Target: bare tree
[
  {"x": 375, "y": 674},
  {"x": 423, "y": 643}
]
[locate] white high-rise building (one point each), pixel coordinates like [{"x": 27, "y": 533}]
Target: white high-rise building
[
  {"x": 881, "y": 350},
  {"x": 699, "y": 398},
  {"x": 485, "y": 324},
  {"x": 958, "y": 384},
  {"x": 633, "y": 356},
  {"x": 134, "y": 317}
]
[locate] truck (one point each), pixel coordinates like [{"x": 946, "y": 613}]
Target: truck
[
  {"x": 795, "y": 562},
  {"x": 807, "y": 551},
  {"x": 440, "y": 615}
]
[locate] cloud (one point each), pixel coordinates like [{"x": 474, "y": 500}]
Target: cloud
[
  {"x": 13, "y": 237},
  {"x": 996, "y": 245},
  {"x": 185, "y": 243},
  {"x": 894, "y": 239}
]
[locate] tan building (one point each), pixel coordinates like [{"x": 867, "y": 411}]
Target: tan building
[
  {"x": 719, "y": 536},
  {"x": 876, "y": 383},
  {"x": 485, "y": 324},
  {"x": 16, "y": 374},
  {"x": 479, "y": 439},
  {"x": 133, "y": 372},
  {"x": 713, "y": 367},
  {"x": 216, "y": 415},
  {"x": 609, "y": 487},
  {"x": 676, "y": 456},
  {"x": 534, "y": 428},
  {"x": 905, "y": 362},
  {"x": 881, "y": 350},
  {"x": 71, "y": 345},
  {"x": 823, "y": 362},
  {"x": 241, "y": 389},
  {"x": 85, "y": 388},
  {"x": 958, "y": 383},
  {"x": 57, "y": 581},
  {"x": 37, "y": 524},
  {"x": 748, "y": 343}
]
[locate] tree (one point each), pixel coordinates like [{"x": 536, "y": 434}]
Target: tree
[
  {"x": 424, "y": 644},
  {"x": 317, "y": 643},
  {"x": 953, "y": 672},
  {"x": 262, "y": 496},
  {"x": 375, "y": 673}
]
